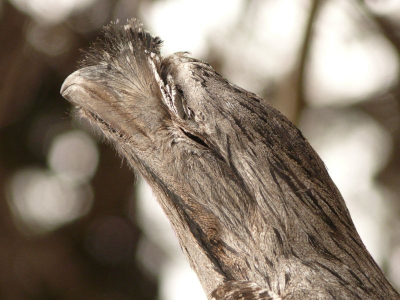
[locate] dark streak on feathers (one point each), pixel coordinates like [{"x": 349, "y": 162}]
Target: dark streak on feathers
[{"x": 252, "y": 204}]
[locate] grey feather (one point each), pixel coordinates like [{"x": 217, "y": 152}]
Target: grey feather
[{"x": 251, "y": 202}]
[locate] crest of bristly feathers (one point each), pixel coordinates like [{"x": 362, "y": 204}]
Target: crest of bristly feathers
[
  {"x": 252, "y": 204},
  {"x": 118, "y": 43}
]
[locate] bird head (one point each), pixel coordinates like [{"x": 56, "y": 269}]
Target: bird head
[{"x": 247, "y": 196}]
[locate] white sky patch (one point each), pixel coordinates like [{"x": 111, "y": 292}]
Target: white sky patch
[
  {"x": 349, "y": 72},
  {"x": 348, "y": 64},
  {"x": 51, "y": 11},
  {"x": 267, "y": 48},
  {"x": 184, "y": 25},
  {"x": 180, "y": 283},
  {"x": 279, "y": 27},
  {"x": 387, "y": 7}
]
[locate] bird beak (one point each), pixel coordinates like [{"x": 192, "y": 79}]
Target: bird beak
[
  {"x": 69, "y": 82},
  {"x": 92, "y": 98},
  {"x": 83, "y": 90}
]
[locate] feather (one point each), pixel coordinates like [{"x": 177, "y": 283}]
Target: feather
[{"x": 250, "y": 201}]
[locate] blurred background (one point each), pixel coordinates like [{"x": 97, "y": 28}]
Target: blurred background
[{"x": 76, "y": 223}]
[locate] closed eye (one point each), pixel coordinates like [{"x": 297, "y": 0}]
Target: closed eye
[{"x": 194, "y": 138}]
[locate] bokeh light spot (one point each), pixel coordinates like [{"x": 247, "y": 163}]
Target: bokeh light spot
[
  {"x": 42, "y": 201},
  {"x": 50, "y": 11},
  {"x": 74, "y": 154}
]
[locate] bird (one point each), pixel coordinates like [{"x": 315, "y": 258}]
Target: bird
[{"x": 251, "y": 202}]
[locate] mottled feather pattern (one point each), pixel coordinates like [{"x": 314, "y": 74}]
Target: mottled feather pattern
[
  {"x": 251, "y": 202},
  {"x": 242, "y": 290}
]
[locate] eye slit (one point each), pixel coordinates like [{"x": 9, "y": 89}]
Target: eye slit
[
  {"x": 194, "y": 138},
  {"x": 179, "y": 89}
]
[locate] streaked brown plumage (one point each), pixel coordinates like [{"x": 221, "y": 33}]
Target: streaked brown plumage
[{"x": 252, "y": 204}]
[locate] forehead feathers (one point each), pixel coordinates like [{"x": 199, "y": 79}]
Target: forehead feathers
[{"x": 127, "y": 41}]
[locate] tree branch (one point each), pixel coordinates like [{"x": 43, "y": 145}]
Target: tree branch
[{"x": 304, "y": 54}]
